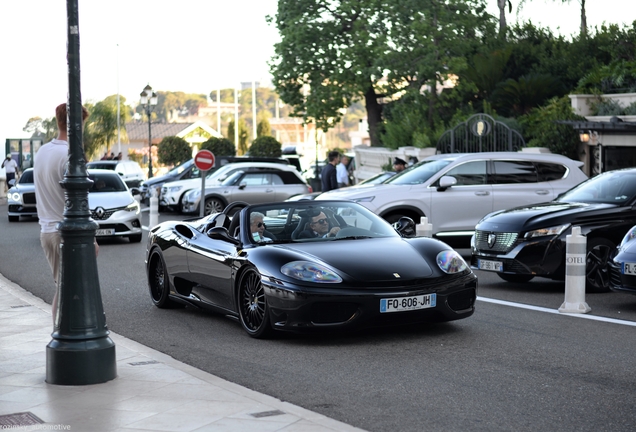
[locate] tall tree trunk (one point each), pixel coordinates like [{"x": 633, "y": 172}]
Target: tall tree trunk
[
  {"x": 374, "y": 116},
  {"x": 501, "y": 4},
  {"x": 583, "y": 19},
  {"x": 432, "y": 101}
]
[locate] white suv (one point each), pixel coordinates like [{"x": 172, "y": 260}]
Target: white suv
[
  {"x": 454, "y": 191},
  {"x": 172, "y": 193}
]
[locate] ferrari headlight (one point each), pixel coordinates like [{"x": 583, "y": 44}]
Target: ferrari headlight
[
  {"x": 364, "y": 199},
  {"x": 451, "y": 262},
  {"x": 631, "y": 234},
  {"x": 552, "y": 231},
  {"x": 15, "y": 196},
  {"x": 310, "y": 272}
]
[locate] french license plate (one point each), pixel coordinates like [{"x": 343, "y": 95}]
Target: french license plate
[
  {"x": 399, "y": 304},
  {"x": 105, "y": 232},
  {"x": 629, "y": 268},
  {"x": 490, "y": 265}
]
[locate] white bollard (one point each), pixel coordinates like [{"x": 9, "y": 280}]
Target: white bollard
[
  {"x": 153, "y": 218},
  {"x": 424, "y": 228},
  {"x": 575, "y": 257}
]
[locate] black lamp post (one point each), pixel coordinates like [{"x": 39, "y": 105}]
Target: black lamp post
[
  {"x": 149, "y": 101},
  {"x": 81, "y": 352}
]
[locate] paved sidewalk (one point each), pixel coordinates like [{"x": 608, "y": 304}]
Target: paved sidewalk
[{"x": 152, "y": 392}]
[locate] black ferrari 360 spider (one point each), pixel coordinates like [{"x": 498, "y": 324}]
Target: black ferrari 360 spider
[{"x": 302, "y": 266}]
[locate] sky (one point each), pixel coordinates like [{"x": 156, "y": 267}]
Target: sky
[{"x": 194, "y": 46}]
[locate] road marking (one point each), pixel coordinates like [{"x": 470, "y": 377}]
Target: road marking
[{"x": 555, "y": 311}]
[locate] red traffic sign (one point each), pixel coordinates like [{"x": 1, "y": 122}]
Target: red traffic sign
[{"x": 204, "y": 160}]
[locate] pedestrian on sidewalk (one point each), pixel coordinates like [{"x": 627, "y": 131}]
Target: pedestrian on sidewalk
[
  {"x": 328, "y": 175},
  {"x": 48, "y": 172},
  {"x": 11, "y": 169},
  {"x": 342, "y": 172}
]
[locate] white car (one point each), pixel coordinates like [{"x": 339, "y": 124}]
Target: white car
[
  {"x": 454, "y": 191},
  {"x": 172, "y": 193}
]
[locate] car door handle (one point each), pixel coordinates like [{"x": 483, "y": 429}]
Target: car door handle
[
  {"x": 269, "y": 190},
  {"x": 542, "y": 192},
  {"x": 482, "y": 193}
]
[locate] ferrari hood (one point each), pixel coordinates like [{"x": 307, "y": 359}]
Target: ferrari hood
[{"x": 371, "y": 260}]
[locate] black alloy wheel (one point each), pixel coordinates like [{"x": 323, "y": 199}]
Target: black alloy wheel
[
  {"x": 596, "y": 269},
  {"x": 252, "y": 305},
  {"x": 213, "y": 205},
  {"x": 158, "y": 282}
]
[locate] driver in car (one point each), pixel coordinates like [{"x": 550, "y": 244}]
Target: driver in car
[{"x": 318, "y": 226}]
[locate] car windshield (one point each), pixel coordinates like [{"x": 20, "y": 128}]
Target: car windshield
[
  {"x": 101, "y": 165},
  {"x": 232, "y": 179},
  {"x": 178, "y": 170},
  {"x": 615, "y": 187},
  {"x": 26, "y": 177},
  {"x": 304, "y": 221},
  {"x": 106, "y": 183},
  {"x": 418, "y": 173}
]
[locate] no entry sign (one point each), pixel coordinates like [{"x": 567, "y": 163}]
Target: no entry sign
[{"x": 204, "y": 160}]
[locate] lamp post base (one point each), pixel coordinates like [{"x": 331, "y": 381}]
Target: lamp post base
[{"x": 80, "y": 362}]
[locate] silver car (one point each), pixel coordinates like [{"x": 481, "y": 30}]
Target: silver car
[
  {"x": 113, "y": 206},
  {"x": 454, "y": 191},
  {"x": 249, "y": 185},
  {"x": 21, "y": 197}
]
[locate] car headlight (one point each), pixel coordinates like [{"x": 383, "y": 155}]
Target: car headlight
[
  {"x": 174, "y": 188},
  {"x": 133, "y": 206},
  {"x": 15, "y": 196},
  {"x": 451, "y": 262},
  {"x": 631, "y": 234},
  {"x": 363, "y": 199},
  {"x": 542, "y": 232},
  {"x": 310, "y": 272}
]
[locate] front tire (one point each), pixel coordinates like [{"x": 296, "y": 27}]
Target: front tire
[
  {"x": 596, "y": 268},
  {"x": 516, "y": 278},
  {"x": 252, "y": 305},
  {"x": 213, "y": 205},
  {"x": 158, "y": 282}
]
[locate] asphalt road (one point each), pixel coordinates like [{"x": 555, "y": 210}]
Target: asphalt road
[{"x": 505, "y": 368}]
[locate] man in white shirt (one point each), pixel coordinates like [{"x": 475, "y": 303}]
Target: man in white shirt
[
  {"x": 10, "y": 168},
  {"x": 48, "y": 171},
  {"x": 342, "y": 174}
]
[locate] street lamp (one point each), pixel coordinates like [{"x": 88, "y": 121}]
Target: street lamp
[{"x": 149, "y": 101}]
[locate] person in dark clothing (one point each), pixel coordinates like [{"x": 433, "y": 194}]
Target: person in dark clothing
[
  {"x": 399, "y": 165},
  {"x": 318, "y": 226},
  {"x": 329, "y": 179}
]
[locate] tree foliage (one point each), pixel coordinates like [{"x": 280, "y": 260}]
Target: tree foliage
[
  {"x": 266, "y": 146},
  {"x": 332, "y": 53},
  {"x": 542, "y": 129},
  {"x": 173, "y": 150},
  {"x": 219, "y": 146},
  {"x": 100, "y": 129},
  {"x": 42, "y": 128}
]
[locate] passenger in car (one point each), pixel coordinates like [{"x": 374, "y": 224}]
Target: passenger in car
[
  {"x": 318, "y": 226},
  {"x": 257, "y": 227}
]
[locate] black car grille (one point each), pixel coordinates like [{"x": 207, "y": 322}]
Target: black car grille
[
  {"x": 504, "y": 242},
  {"x": 107, "y": 213},
  {"x": 615, "y": 275},
  {"x": 28, "y": 198},
  {"x": 462, "y": 300},
  {"x": 330, "y": 313}
]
